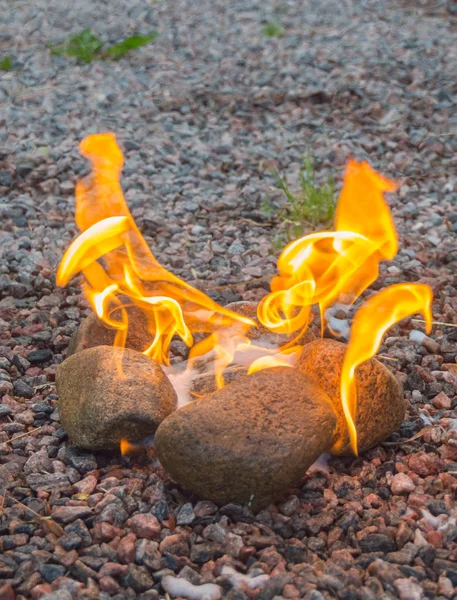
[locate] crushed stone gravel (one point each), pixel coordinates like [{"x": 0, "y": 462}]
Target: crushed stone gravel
[{"x": 204, "y": 114}]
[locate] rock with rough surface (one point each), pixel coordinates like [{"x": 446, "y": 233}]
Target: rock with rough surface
[
  {"x": 106, "y": 394},
  {"x": 93, "y": 332},
  {"x": 250, "y": 441},
  {"x": 380, "y": 400}
]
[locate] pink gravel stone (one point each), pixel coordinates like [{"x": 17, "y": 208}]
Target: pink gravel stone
[
  {"x": 86, "y": 485},
  {"x": 424, "y": 464},
  {"x": 6, "y": 592},
  {"x": 145, "y": 526},
  {"x": 105, "y": 532},
  {"x": 175, "y": 544},
  {"x": 38, "y": 591},
  {"x": 402, "y": 484},
  {"x": 126, "y": 549},
  {"x": 442, "y": 400},
  {"x": 67, "y": 514},
  {"x": 26, "y": 417},
  {"x": 408, "y": 589},
  {"x": 111, "y": 569},
  {"x": 435, "y": 538},
  {"x": 109, "y": 585},
  {"x": 6, "y": 387}
]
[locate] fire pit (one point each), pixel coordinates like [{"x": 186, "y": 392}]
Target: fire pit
[{"x": 259, "y": 399}]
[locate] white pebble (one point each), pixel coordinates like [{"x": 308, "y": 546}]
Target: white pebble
[
  {"x": 181, "y": 588},
  {"x": 417, "y": 336},
  {"x": 321, "y": 464},
  {"x": 238, "y": 579}
]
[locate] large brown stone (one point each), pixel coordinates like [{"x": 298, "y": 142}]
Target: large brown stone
[
  {"x": 93, "y": 332},
  {"x": 380, "y": 401},
  {"x": 250, "y": 441},
  {"x": 106, "y": 394}
]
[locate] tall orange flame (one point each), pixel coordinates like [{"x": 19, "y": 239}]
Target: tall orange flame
[
  {"x": 120, "y": 270},
  {"x": 371, "y": 322},
  {"x": 324, "y": 267}
]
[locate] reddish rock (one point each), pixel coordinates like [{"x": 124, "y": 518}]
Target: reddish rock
[
  {"x": 67, "y": 514},
  {"x": 176, "y": 544},
  {"x": 449, "y": 451},
  {"x": 63, "y": 557},
  {"x": 111, "y": 569},
  {"x": 126, "y": 549},
  {"x": 442, "y": 400},
  {"x": 145, "y": 526},
  {"x": 402, "y": 484},
  {"x": 41, "y": 590},
  {"x": 86, "y": 485},
  {"x": 105, "y": 532},
  {"x": 424, "y": 464},
  {"x": 6, "y": 387},
  {"x": 7, "y": 592},
  {"x": 109, "y": 585},
  {"x": 290, "y": 591},
  {"x": 435, "y": 538}
]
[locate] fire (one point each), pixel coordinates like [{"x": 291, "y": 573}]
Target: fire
[
  {"x": 371, "y": 322},
  {"x": 119, "y": 269},
  {"x": 132, "y": 448},
  {"x": 323, "y": 268}
]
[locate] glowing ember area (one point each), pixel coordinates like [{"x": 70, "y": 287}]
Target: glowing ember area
[{"x": 319, "y": 269}]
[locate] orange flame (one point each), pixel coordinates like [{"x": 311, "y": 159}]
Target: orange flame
[
  {"x": 371, "y": 322},
  {"x": 286, "y": 358},
  {"x": 120, "y": 270},
  {"x": 127, "y": 447},
  {"x": 323, "y": 267}
]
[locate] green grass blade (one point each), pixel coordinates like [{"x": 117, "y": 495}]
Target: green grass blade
[
  {"x": 272, "y": 29},
  {"x": 84, "y": 46},
  {"x": 131, "y": 43},
  {"x": 312, "y": 205},
  {"x": 6, "y": 64}
]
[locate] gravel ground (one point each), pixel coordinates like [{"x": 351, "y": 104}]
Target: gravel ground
[{"x": 203, "y": 115}]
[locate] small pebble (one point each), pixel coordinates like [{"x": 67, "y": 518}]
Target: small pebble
[{"x": 402, "y": 484}]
